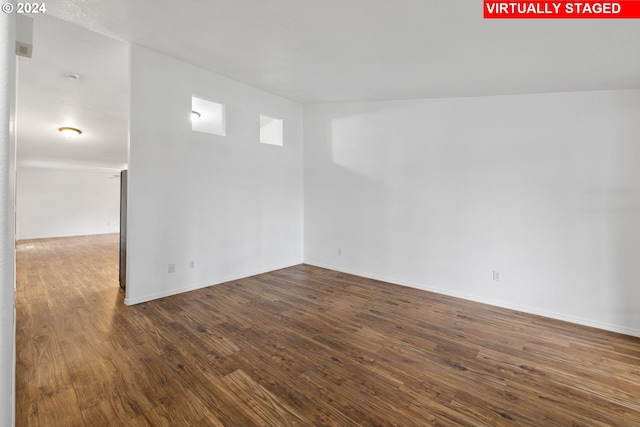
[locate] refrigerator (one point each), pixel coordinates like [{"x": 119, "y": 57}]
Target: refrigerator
[{"x": 123, "y": 229}]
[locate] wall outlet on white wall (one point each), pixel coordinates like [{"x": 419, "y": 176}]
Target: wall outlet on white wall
[
  {"x": 339, "y": 251},
  {"x": 497, "y": 276},
  {"x": 172, "y": 268},
  {"x": 192, "y": 264}
]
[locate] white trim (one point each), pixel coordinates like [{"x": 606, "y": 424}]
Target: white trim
[
  {"x": 15, "y": 359},
  {"x": 497, "y": 303},
  {"x": 73, "y": 165},
  {"x": 176, "y": 291}
]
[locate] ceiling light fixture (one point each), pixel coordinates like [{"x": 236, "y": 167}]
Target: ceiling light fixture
[
  {"x": 73, "y": 76},
  {"x": 195, "y": 115},
  {"x": 69, "y": 132}
]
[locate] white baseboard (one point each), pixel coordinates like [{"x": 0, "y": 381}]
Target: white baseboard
[
  {"x": 497, "y": 303},
  {"x": 216, "y": 281}
]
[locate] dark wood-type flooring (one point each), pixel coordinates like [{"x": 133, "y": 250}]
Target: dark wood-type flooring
[{"x": 301, "y": 346}]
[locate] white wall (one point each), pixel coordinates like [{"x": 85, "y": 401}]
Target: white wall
[
  {"x": 7, "y": 185},
  {"x": 64, "y": 202},
  {"x": 229, "y": 203},
  {"x": 438, "y": 194}
]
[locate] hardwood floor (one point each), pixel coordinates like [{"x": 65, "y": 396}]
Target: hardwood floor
[{"x": 298, "y": 347}]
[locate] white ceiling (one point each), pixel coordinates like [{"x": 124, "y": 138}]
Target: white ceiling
[
  {"x": 343, "y": 50},
  {"x": 316, "y": 51},
  {"x": 97, "y": 103}
]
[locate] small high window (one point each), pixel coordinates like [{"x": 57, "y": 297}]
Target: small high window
[
  {"x": 271, "y": 130},
  {"x": 208, "y": 116}
]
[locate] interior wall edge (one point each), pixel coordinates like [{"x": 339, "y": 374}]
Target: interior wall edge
[{"x": 7, "y": 219}]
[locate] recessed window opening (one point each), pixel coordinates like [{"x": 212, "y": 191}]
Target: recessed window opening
[
  {"x": 208, "y": 116},
  {"x": 271, "y": 130}
]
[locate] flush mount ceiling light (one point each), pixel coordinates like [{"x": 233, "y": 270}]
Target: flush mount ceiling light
[
  {"x": 73, "y": 76},
  {"x": 195, "y": 115},
  {"x": 69, "y": 132}
]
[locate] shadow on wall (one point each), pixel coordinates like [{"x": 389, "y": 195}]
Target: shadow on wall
[
  {"x": 624, "y": 211},
  {"x": 440, "y": 193}
]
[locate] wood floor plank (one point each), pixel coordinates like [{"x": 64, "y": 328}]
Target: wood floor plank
[
  {"x": 101, "y": 415},
  {"x": 299, "y": 346},
  {"x": 272, "y": 410},
  {"x": 209, "y": 421},
  {"x": 59, "y": 409}
]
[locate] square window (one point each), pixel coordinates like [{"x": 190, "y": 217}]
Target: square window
[
  {"x": 271, "y": 130},
  {"x": 208, "y": 116}
]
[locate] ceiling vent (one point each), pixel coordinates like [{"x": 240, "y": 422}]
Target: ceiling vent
[
  {"x": 24, "y": 36},
  {"x": 23, "y": 49}
]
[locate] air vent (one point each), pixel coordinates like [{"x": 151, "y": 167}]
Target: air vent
[
  {"x": 24, "y": 35},
  {"x": 23, "y": 49}
]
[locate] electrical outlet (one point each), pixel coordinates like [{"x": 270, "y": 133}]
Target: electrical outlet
[
  {"x": 496, "y": 276},
  {"x": 192, "y": 264},
  {"x": 339, "y": 251},
  {"x": 172, "y": 268}
]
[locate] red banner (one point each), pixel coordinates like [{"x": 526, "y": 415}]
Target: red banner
[{"x": 624, "y": 9}]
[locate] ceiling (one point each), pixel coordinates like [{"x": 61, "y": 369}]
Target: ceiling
[
  {"x": 344, "y": 50},
  {"x": 96, "y": 103},
  {"x": 310, "y": 51}
]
